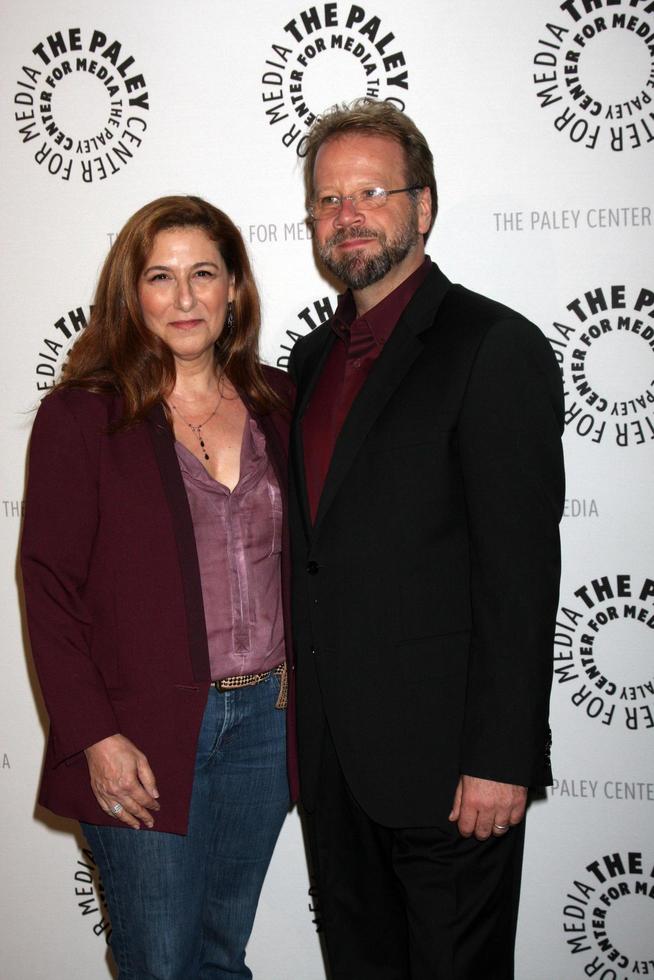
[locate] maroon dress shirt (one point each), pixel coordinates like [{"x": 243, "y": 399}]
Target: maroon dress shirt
[{"x": 360, "y": 341}]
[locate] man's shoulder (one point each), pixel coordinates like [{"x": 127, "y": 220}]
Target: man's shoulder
[
  {"x": 467, "y": 313},
  {"x": 479, "y": 316},
  {"x": 312, "y": 343},
  {"x": 492, "y": 336},
  {"x": 464, "y": 300}
]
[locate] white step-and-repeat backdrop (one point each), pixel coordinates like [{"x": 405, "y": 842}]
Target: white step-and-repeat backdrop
[{"x": 541, "y": 118}]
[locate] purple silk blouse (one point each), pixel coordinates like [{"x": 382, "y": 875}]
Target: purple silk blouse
[{"x": 239, "y": 541}]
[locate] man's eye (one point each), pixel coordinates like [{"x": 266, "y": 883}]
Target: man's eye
[
  {"x": 330, "y": 201},
  {"x": 371, "y": 193}
]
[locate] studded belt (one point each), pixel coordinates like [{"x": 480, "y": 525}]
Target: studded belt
[{"x": 249, "y": 680}]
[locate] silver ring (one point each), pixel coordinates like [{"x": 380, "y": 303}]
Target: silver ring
[
  {"x": 116, "y": 808},
  {"x": 501, "y": 826}
]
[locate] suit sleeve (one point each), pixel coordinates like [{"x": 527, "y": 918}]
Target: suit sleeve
[
  {"x": 61, "y": 519},
  {"x": 510, "y": 445}
]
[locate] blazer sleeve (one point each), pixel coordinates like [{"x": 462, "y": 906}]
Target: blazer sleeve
[
  {"x": 511, "y": 455},
  {"x": 61, "y": 520}
]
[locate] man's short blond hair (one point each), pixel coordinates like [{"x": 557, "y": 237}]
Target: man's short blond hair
[{"x": 368, "y": 116}]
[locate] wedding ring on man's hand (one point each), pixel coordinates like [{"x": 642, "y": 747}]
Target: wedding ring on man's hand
[
  {"x": 116, "y": 808},
  {"x": 501, "y": 826}
]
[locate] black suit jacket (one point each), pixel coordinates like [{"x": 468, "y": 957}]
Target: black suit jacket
[{"x": 425, "y": 594}]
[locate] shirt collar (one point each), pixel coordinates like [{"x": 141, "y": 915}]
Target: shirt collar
[{"x": 382, "y": 318}]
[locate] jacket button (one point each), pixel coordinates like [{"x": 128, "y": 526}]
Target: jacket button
[{"x": 312, "y": 567}]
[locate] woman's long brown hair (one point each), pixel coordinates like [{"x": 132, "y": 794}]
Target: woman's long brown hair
[{"x": 117, "y": 352}]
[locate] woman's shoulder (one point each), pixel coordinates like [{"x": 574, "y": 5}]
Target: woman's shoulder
[
  {"x": 280, "y": 382},
  {"x": 85, "y": 406}
]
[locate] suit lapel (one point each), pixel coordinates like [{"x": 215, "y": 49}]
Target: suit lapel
[
  {"x": 399, "y": 353},
  {"x": 313, "y": 370},
  {"x": 173, "y": 484}
]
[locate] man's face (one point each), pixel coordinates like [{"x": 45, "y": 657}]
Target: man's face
[{"x": 361, "y": 246}]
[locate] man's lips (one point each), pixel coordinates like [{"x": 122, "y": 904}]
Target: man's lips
[
  {"x": 353, "y": 243},
  {"x": 353, "y": 238}
]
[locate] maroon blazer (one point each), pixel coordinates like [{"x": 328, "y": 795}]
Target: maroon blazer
[{"x": 114, "y": 599}]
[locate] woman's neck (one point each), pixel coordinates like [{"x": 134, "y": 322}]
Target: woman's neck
[{"x": 196, "y": 381}]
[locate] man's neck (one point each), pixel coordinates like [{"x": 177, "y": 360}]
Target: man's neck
[{"x": 365, "y": 299}]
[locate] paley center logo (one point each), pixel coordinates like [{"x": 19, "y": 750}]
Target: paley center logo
[
  {"x": 604, "y": 344},
  {"x": 55, "y": 346},
  {"x": 305, "y": 320},
  {"x": 594, "y": 72},
  {"x": 81, "y": 105},
  {"x": 607, "y": 917},
  {"x": 90, "y": 897},
  {"x": 602, "y": 650},
  {"x": 329, "y": 53}
]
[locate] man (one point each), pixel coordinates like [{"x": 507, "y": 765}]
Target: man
[{"x": 426, "y": 493}]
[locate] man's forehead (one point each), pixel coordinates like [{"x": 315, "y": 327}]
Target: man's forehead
[
  {"x": 365, "y": 140},
  {"x": 360, "y": 149}
]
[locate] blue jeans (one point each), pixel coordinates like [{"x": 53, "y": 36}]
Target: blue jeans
[{"x": 182, "y": 908}]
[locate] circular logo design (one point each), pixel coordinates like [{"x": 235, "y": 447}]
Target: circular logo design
[
  {"x": 605, "y": 348},
  {"x": 329, "y": 54},
  {"x": 314, "y": 313},
  {"x": 608, "y": 917},
  {"x": 594, "y": 72},
  {"x": 580, "y": 507},
  {"x": 89, "y": 895},
  {"x": 81, "y": 105},
  {"x": 54, "y": 349},
  {"x": 602, "y": 651}
]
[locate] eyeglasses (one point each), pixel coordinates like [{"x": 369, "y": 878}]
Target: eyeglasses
[{"x": 365, "y": 200}]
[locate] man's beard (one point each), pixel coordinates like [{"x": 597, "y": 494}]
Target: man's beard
[{"x": 358, "y": 270}]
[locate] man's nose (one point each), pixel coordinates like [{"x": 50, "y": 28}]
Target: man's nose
[{"x": 348, "y": 214}]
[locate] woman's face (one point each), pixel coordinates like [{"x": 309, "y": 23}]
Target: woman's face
[{"x": 184, "y": 290}]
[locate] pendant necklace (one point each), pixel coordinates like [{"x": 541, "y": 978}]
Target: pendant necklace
[{"x": 197, "y": 429}]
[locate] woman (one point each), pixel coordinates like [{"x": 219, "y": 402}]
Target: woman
[{"x": 154, "y": 561}]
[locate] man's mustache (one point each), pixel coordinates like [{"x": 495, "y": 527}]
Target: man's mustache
[{"x": 348, "y": 234}]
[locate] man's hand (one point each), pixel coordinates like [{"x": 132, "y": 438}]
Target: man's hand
[
  {"x": 483, "y": 807},
  {"x": 122, "y": 781}
]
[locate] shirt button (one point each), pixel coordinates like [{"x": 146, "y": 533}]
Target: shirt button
[{"x": 312, "y": 567}]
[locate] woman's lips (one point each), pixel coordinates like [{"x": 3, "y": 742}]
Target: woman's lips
[{"x": 184, "y": 324}]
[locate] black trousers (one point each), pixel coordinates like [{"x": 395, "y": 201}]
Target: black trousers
[{"x": 412, "y": 903}]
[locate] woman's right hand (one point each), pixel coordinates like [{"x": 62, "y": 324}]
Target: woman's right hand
[{"x": 120, "y": 773}]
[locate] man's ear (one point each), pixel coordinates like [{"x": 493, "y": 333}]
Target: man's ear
[{"x": 424, "y": 211}]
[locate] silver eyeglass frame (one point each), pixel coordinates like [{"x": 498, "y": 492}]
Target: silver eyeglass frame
[{"x": 357, "y": 198}]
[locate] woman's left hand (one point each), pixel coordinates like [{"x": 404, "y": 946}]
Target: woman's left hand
[{"x": 122, "y": 781}]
